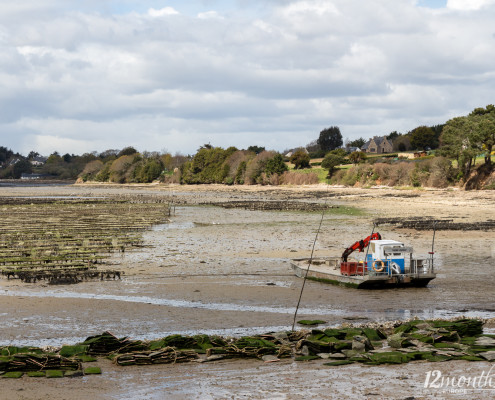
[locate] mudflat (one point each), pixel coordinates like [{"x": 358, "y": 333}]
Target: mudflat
[{"x": 222, "y": 265}]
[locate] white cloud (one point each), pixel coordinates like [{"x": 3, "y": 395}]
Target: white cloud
[
  {"x": 273, "y": 75},
  {"x": 162, "y": 12},
  {"x": 209, "y": 14},
  {"x": 468, "y": 4}
]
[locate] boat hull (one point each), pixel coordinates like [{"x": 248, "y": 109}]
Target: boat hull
[{"x": 327, "y": 270}]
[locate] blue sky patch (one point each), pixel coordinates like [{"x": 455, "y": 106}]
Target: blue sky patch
[{"x": 432, "y": 3}]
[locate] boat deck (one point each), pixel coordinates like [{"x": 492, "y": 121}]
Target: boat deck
[{"x": 327, "y": 270}]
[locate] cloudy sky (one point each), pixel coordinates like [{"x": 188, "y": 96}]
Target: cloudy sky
[{"x": 82, "y": 76}]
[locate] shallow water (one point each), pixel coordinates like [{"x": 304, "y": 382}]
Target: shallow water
[{"x": 227, "y": 271}]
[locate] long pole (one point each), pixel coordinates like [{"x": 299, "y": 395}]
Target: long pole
[
  {"x": 367, "y": 249},
  {"x": 433, "y": 244},
  {"x": 307, "y": 270}
]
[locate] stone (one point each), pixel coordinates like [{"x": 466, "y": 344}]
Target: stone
[
  {"x": 337, "y": 356},
  {"x": 349, "y": 353},
  {"x": 358, "y": 347},
  {"x": 488, "y": 355},
  {"x": 280, "y": 335},
  {"x": 395, "y": 340},
  {"x": 361, "y": 342},
  {"x": 485, "y": 341},
  {"x": 270, "y": 358}
]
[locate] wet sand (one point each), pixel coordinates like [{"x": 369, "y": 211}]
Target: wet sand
[{"x": 226, "y": 271}]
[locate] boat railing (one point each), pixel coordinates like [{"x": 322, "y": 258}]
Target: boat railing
[
  {"x": 415, "y": 267},
  {"x": 421, "y": 266}
]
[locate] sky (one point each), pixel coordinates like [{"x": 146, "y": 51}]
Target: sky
[{"x": 92, "y": 75}]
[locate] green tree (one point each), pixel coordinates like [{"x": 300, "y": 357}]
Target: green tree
[
  {"x": 33, "y": 154},
  {"x": 21, "y": 167},
  {"x": 461, "y": 141},
  {"x": 127, "y": 151},
  {"x": 330, "y": 162},
  {"x": 107, "y": 155},
  {"x": 300, "y": 159},
  {"x": 104, "y": 174},
  {"x": 357, "y": 156},
  {"x": 208, "y": 165},
  {"x": 149, "y": 170},
  {"x": 91, "y": 170},
  {"x": 239, "y": 175},
  {"x": 275, "y": 165},
  {"x": 357, "y": 143},
  {"x": 330, "y": 138},
  {"x": 423, "y": 137},
  {"x": 393, "y": 135},
  {"x": 402, "y": 143},
  {"x": 54, "y": 158},
  {"x": 338, "y": 152},
  {"x": 5, "y": 154},
  {"x": 256, "y": 149},
  {"x": 484, "y": 125}
]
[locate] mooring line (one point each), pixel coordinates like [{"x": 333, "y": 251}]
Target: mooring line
[{"x": 307, "y": 269}]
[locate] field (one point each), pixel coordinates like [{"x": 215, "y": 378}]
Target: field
[{"x": 219, "y": 264}]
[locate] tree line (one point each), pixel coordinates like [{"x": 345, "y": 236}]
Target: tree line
[{"x": 461, "y": 139}]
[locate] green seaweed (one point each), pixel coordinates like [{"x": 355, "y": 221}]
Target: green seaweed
[
  {"x": 336, "y": 333},
  {"x": 86, "y": 358},
  {"x": 54, "y": 373},
  {"x": 351, "y": 332},
  {"x": 11, "y": 350},
  {"x": 342, "y": 344},
  {"x": 36, "y": 374},
  {"x": 92, "y": 371},
  {"x": 471, "y": 358},
  {"x": 435, "y": 357},
  {"x": 373, "y": 334},
  {"x": 311, "y": 322},
  {"x": 70, "y": 351},
  {"x": 13, "y": 375}
]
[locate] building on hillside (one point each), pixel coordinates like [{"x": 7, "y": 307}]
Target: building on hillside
[
  {"x": 14, "y": 161},
  {"x": 289, "y": 154},
  {"x": 38, "y": 161},
  {"x": 378, "y": 145}
]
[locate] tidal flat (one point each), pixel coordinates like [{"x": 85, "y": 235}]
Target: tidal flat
[{"x": 219, "y": 269}]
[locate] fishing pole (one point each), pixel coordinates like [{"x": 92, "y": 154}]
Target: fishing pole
[{"x": 309, "y": 264}]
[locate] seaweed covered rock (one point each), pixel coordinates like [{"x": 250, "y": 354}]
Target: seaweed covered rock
[
  {"x": 463, "y": 327},
  {"x": 361, "y": 344},
  {"x": 409, "y": 341},
  {"x": 107, "y": 343},
  {"x": 253, "y": 346}
]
